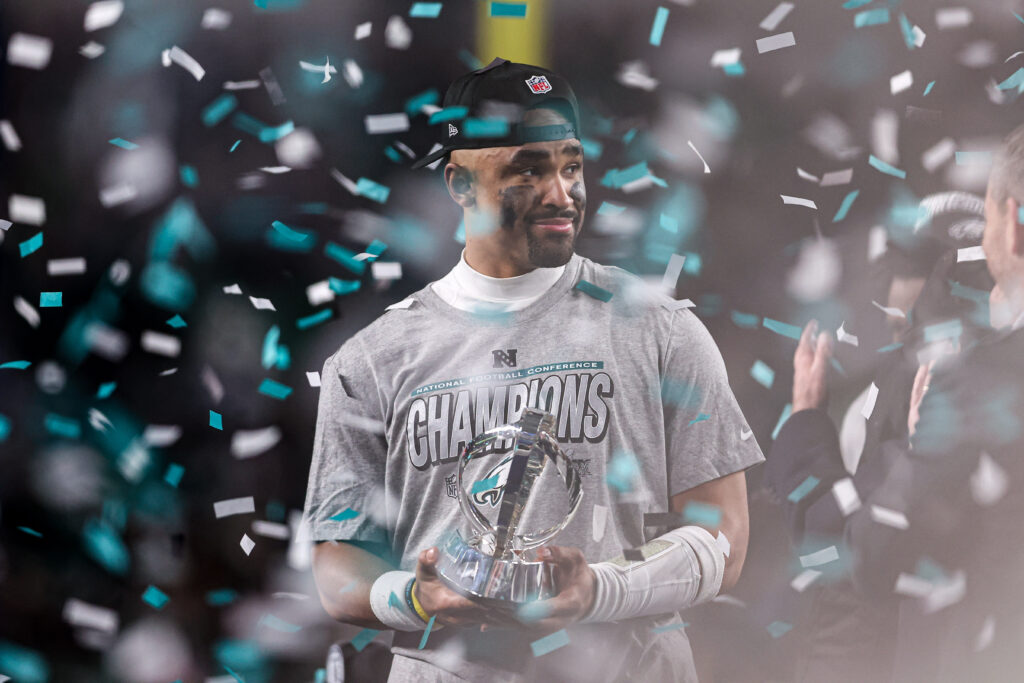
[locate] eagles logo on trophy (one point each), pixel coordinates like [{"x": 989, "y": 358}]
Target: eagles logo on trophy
[{"x": 515, "y": 503}]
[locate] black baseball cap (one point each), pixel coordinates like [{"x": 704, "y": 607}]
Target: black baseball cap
[{"x": 484, "y": 108}]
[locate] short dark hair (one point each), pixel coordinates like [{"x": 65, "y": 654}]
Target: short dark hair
[{"x": 1007, "y": 176}]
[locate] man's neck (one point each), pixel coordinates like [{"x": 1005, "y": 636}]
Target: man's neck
[{"x": 490, "y": 265}]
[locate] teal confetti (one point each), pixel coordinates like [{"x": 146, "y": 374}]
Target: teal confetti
[
  {"x": 278, "y": 6},
  {"x": 189, "y": 175},
  {"x": 616, "y": 178},
  {"x": 670, "y": 627},
  {"x": 592, "y": 149},
  {"x": 965, "y": 158},
  {"x": 734, "y": 69},
  {"x": 371, "y": 190},
  {"x": 363, "y": 638},
  {"x": 235, "y": 146},
  {"x": 216, "y": 420},
  {"x": 426, "y": 633},
  {"x": 344, "y": 515},
  {"x": 30, "y": 532},
  {"x": 786, "y": 412},
  {"x": 854, "y": 4},
  {"x": 1016, "y": 80},
  {"x": 415, "y": 104},
  {"x": 174, "y": 474},
  {"x": 623, "y": 471},
  {"x": 393, "y": 601},
  {"x": 509, "y": 10},
  {"x": 485, "y": 484},
  {"x": 122, "y": 143},
  {"x": 448, "y": 114},
  {"x": 658, "y": 27},
  {"x": 274, "y": 389},
  {"x": 871, "y": 17},
  {"x": 31, "y": 245},
  {"x": 16, "y": 365},
  {"x": 392, "y": 154},
  {"x": 23, "y": 665},
  {"x": 762, "y": 374},
  {"x": 105, "y": 546},
  {"x": 485, "y": 128},
  {"x": 279, "y": 624},
  {"x": 1019, "y": 17},
  {"x": 177, "y": 322},
  {"x": 801, "y": 491},
  {"x": 345, "y": 257},
  {"x": 692, "y": 264},
  {"x": 890, "y": 347},
  {"x": 221, "y": 597},
  {"x": 227, "y": 668},
  {"x": 628, "y": 137},
  {"x": 1020, "y": 214},
  {"x": 5, "y": 428},
  {"x": 66, "y": 427},
  {"x": 701, "y": 417},
  {"x": 550, "y": 643},
  {"x": 533, "y": 611},
  {"x": 155, "y": 597},
  {"x": 106, "y": 389},
  {"x": 844, "y": 208},
  {"x": 908, "y": 32},
  {"x": 949, "y": 329},
  {"x": 668, "y": 223},
  {"x": 342, "y": 287},
  {"x": 593, "y": 290},
  {"x": 167, "y": 285},
  {"x": 217, "y": 111},
  {"x": 745, "y": 320},
  {"x": 425, "y": 10},
  {"x": 885, "y": 168},
  {"x": 314, "y": 319},
  {"x": 609, "y": 209},
  {"x": 702, "y": 513},
  {"x": 51, "y": 299},
  {"x": 928, "y": 88},
  {"x": 274, "y": 133},
  {"x": 268, "y": 357},
  {"x": 784, "y": 329},
  {"x": 778, "y": 628}
]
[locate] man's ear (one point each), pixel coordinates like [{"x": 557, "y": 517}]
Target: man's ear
[
  {"x": 461, "y": 187},
  {"x": 1014, "y": 228}
]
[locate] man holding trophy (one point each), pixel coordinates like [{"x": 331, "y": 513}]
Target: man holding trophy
[{"x": 527, "y": 468}]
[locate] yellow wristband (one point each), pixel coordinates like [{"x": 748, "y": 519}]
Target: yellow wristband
[{"x": 416, "y": 604}]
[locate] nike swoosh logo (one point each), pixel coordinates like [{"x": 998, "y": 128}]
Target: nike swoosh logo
[{"x": 746, "y": 433}]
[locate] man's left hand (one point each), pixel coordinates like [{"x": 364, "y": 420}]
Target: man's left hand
[{"x": 576, "y": 585}]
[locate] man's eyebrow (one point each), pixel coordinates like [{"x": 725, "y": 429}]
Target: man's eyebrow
[
  {"x": 573, "y": 149},
  {"x": 529, "y": 155}
]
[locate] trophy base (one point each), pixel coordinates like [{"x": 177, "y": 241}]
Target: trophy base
[{"x": 494, "y": 582}]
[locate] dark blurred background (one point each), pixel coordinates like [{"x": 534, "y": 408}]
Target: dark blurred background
[{"x": 166, "y": 190}]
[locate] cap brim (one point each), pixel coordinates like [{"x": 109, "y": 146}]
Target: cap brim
[{"x": 430, "y": 158}]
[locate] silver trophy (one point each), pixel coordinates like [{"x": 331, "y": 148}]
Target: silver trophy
[{"x": 496, "y": 562}]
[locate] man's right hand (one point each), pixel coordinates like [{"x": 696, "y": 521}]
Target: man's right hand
[
  {"x": 810, "y": 368},
  {"x": 450, "y": 608}
]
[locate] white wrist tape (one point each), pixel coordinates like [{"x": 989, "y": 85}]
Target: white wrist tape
[
  {"x": 394, "y": 613},
  {"x": 683, "y": 567}
]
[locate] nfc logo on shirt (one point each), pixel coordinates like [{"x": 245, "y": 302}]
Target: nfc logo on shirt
[{"x": 504, "y": 358}]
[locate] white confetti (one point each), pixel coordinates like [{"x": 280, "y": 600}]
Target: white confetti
[
  {"x": 247, "y": 443},
  {"x": 884, "y": 135},
  {"x": 24, "y": 209},
  {"x": 635, "y": 74},
  {"x": 833, "y": 178},
  {"x": 212, "y": 384},
  {"x": 363, "y": 30},
  {"x": 241, "y": 85},
  {"x": 845, "y": 337},
  {"x": 965, "y": 254},
  {"x": 234, "y": 506},
  {"x": 726, "y": 57},
  {"x": 185, "y": 61},
  {"x": 672, "y": 272},
  {"x": 953, "y": 17},
  {"x": 91, "y": 50},
  {"x": 233, "y": 289},
  {"x": 105, "y": 341},
  {"x": 676, "y": 304},
  {"x": 600, "y": 519},
  {"x": 162, "y": 436},
  {"x": 29, "y": 51},
  {"x": 805, "y": 175},
  {"x": 804, "y": 579},
  {"x": 270, "y": 529},
  {"x": 117, "y": 194},
  {"x": 889, "y": 310},
  {"x": 901, "y": 82},
  {"x": 397, "y": 35},
  {"x": 776, "y": 42},
  {"x": 912, "y": 585},
  {"x": 215, "y": 19},
  {"x": 946, "y": 593},
  {"x": 775, "y": 17},
  {"x": 161, "y": 344},
  {"x": 985, "y": 635},
  {"x": 262, "y": 304},
  {"x": 938, "y": 154},
  {"x": 798, "y": 201},
  {"x": 26, "y": 311},
  {"x": 65, "y": 266},
  {"x": 313, "y": 378},
  {"x": 83, "y": 614},
  {"x": 386, "y": 270},
  {"x": 820, "y": 557},
  {"x": 869, "y": 402},
  {"x": 346, "y": 182},
  {"x": 103, "y": 14},
  {"x": 989, "y": 481},
  {"x": 326, "y": 69},
  {"x": 10, "y": 136},
  {"x": 707, "y": 169},
  {"x": 887, "y": 517},
  {"x": 352, "y": 74},
  {"x": 247, "y": 544},
  {"x": 723, "y": 542},
  {"x": 846, "y": 496},
  {"x": 319, "y": 293},
  {"x": 272, "y": 86},
  {"x": 386, "y": 123}
]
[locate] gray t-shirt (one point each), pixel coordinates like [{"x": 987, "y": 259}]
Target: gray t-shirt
[{"x": 633, "y": 374}]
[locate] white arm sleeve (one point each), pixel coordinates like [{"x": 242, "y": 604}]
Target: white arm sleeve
[
  {"x": 394, "y": 613},
  {"x": 683, "y": 567}
]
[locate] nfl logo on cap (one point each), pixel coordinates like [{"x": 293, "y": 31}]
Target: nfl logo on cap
[
  {"x": 452, "y": 130},
  {"x": 538, "y": 84}
]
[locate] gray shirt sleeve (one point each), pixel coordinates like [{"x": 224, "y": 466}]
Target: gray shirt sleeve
[
  {"x": 704, "y": 426},
  {"x": 345, "y": 495}
]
